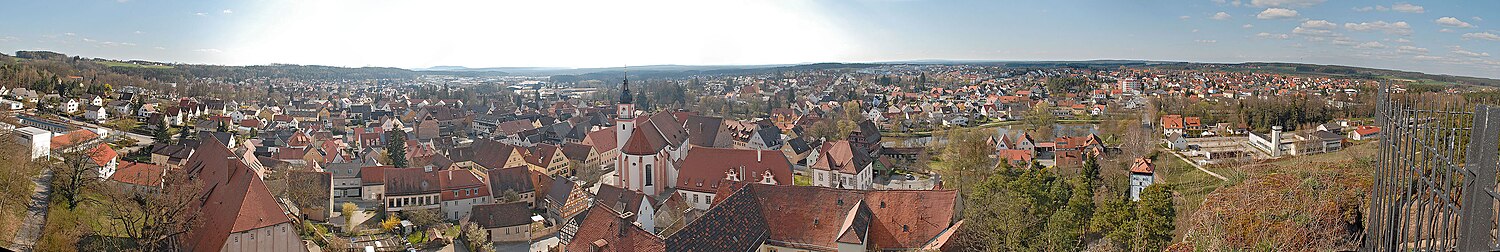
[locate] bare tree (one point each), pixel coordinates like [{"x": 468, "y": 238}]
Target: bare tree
[
  {"x": 74, "y": 174},
  {"x": 153, "y": 219}
]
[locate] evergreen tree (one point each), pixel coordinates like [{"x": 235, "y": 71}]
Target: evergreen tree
[
  {"x": 1154, "y": 217},
  {"x": 395, "y": 148}
]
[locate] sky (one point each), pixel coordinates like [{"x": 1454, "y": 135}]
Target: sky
[{"x": 1445, "y": 37}]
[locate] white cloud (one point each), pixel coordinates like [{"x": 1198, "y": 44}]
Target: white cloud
[
  {"x": 227, "y": 11},
  {"x": 1195, "y": 30},
  {"x": 1397, "y": 28},
  {"x": 70, "y": 34},
  {"x": 1185, "y": 17},
  {"x": 1371, "y": 44},
  {"x": 1206, "y": 41},
  {"x": 1426, "y": 57},
  {"x": 1343, "y": 41},
  {"x": 1461, "y": 51},
  {"x": 200, "y": 14},
  {"x": 1453, "y": 22},
  {"x": 1408, "y": 8},
  {"x": 1445, "y": 30},
  {"x": 1284, "y": 3},
  {"x": 1221, "y": 16},
  {"x": 209, "y": 50},
  {"x": 1247, "y": 26},
  {"x": 1482, "y": 35},
  {"x": 1318, "y": 24},
  {"x": 1273, "y": 35},
  {"x": 1403, "y": 40},
  {"x": 139, "y": 32},
  {"x": 1411, "y": 49},
  {"x": 1313, "y": 32},
  {"x": 1364, "y": 9},
  {"x": 1477, "y": 18},
  {"x": 1276, "y": 13},
  {"x": 159, "y": 48}
]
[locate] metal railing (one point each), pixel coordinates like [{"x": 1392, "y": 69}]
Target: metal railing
[{"x": 1435, "y": 175}]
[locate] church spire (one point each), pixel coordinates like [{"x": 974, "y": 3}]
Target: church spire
[{"x": 625, "y": 88}]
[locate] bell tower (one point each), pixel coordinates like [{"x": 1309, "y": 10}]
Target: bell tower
[{"x": 624, "y": 126}]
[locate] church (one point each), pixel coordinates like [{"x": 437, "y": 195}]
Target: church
[{"x": 650, "y": 147}]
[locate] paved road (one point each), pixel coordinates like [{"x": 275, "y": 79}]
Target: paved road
[{"x": 36, "y": 214}]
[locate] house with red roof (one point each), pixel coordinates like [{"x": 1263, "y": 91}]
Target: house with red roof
[
  {"x": 1142, "y": 175},
  {"x": 706, "y": 170},
  {"x": 461, "y": 191},
  {"x": 139, "y": 176},
  {"x": 759, "y": 217},
  {"x": 239, "y": 212},
  {"x": 842, "y": 164},
  {"x": 1362, "y": 133}
]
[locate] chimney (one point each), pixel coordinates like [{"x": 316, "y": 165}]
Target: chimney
[
  {"x": 757, "y": 156},
  {"x": 625, "y": 222}
]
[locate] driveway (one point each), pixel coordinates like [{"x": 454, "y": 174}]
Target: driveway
[{"x": 36, "y": 213}]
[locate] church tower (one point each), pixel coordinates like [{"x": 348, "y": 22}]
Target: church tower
[{"x": 624, "y": 114}]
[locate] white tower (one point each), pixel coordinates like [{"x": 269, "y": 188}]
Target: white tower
[
  {"x": 624, "y": 125},
  {"x": 1275, "y": 141}
]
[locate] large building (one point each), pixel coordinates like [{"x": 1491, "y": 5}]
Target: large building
[
  {"x": 650, "y": 147},
  {"x": 761, "y": 217},
  {"x": 239, "y": 212}
]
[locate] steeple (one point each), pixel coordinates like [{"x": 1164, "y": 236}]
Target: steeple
[{"x": 625, "y": 89}]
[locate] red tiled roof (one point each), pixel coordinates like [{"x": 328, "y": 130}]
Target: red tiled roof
[
  {"x": 102, "y": 154},
  {"x": 461, "y": 179},
  {"x": 235, "y": 199},
  {"x": 142, "y": 174},
  {"x": 604, "y": 139},
  {"x": 705, "y": 169},
  {"x": 816, "y": 218},
  {"x": 72, "y": 138},
  {"x": 372, "y": 175},
  {"x": 1172, "y": 122},
  {"x": 843, "y": 157},
  {"x": 1142, "y": 165},
  {"x": 605, "y": 229},
  {"x": 638, "y": 144},
  {"x": 1366, "y": 130}
]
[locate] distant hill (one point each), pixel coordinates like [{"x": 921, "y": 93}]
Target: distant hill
[{"x": 1338, "y": 71}]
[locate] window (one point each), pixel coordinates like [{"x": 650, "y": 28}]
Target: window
[{"x": 648, "y": 175}]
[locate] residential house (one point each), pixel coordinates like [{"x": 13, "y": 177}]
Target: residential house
[
  {"x": 505, "y": 222},
  {"x": 239, "y": 212},
  {"x": 706, "y": 170},
  {"x": 842, "y": 164}
]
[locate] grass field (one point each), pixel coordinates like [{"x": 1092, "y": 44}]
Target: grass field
[
  {"x": 123, "y": 64},
  {"x": 1189, "y": 184}
]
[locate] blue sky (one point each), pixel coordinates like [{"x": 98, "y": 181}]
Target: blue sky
[{"x": 1450, "y": 37}]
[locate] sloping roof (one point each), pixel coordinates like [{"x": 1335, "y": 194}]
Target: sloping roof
[
  {"x": 1142, "y": 165},
  {"x": 619, "y": 199},
  {"x": 842, "y": 156},
  {"x": 516, "y": 179},
  {"x": 734, "y": 224},
  {"x": 72, "y": 138},
  {"x": 501, "y": 215},
  {"x": 576, "y": 151},
  {"x": 102, "y": 154},
  {"x": 462, "y": 179},
  {"x": 817, "y": 218},
  {"x": 605, "y": 230},
  {"x": 141, "y": 174},
  {"x": 604, "y": 139},
  {"x": 491, "y": 154},
  {"x": 560, "y": 190},
  {"x": 234, "y": 197},
  {"x": 410, "y": 181},
  {"x": 639, "y": 144},
  {"x": 704, "y": 168},
  {"x": 703, "y": 130}
]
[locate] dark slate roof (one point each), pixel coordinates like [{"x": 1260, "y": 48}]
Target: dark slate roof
[
  {"x": 501, "y": 215},
  {"x": 560, "y": 190},
  {"x": 735, "y": 224},
  {"x": 516, "y": 179}
]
